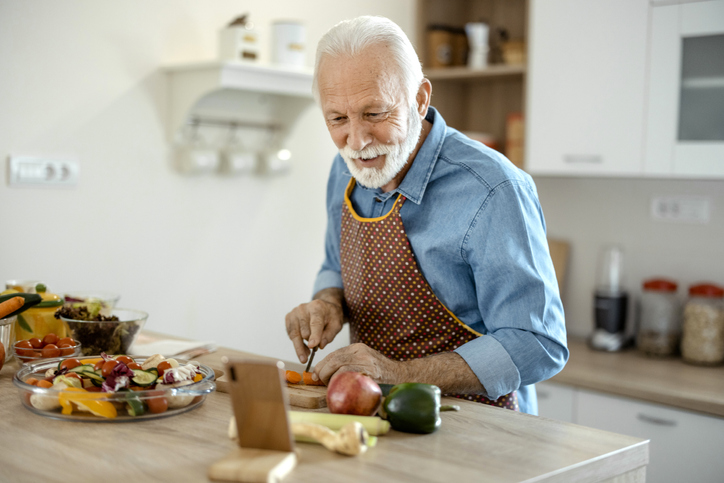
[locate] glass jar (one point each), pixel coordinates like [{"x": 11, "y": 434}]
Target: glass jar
[
  {"x": 703, "y": 335},
  {"x": 660, "y": 328},
  {"x": 38, "y": 321}
]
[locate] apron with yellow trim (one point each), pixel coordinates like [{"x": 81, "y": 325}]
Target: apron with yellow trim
[{"x": 392, "y": 308}]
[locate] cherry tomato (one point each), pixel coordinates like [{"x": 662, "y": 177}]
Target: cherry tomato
[
  {"x": 162, "y": 367},
  {"x": 125, "y": 359},
  {"x": 108, "y": 367},
  {"x": 50, "y": 339},
  {"x": 24, "y": 348},
  {"x": 66, "y": 349},
  {"x": 51, "y": 350},
  {"x": 98, "y": 365},
  {"x": 36, "y": 343},
  {"x": 135, "y": 366},
  {"x": 70, "y": 363},
  {"x": 157, "y": 404},
  {"x": 66, "y": 340}
]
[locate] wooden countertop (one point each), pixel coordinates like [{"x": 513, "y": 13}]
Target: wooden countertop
[
  {"x": 479, "y": 443},
  {"x": 630, "y": 373}
]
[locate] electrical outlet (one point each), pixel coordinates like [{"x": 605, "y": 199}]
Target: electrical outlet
[
  {"x": 681, "y": 209},
  {"x": 42, "y": 172}
]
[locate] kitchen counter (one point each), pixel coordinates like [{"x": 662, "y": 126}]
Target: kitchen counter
[
  {"x": 478, "y": 443},
  {"x": 629, "y": 373}
]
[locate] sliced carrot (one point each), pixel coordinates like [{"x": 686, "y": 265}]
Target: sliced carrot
[
  {"x": 32, "y": 381},
  {"x": 11, "y": 305},
  {"x": 308, "y": 381},
  {"x": 45, "y": 384},
  {"x": 293, "y": 377}
]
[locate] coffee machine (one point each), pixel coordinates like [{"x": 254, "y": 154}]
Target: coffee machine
[{"x": 610, "y": 302}]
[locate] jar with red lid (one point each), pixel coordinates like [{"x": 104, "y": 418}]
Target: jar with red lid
[
  {"x": 659, "y": 330},
  {"x": 703, "y": 333}
]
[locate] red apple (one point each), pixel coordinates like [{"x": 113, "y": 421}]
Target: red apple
[{"x": 353, "y": 393}]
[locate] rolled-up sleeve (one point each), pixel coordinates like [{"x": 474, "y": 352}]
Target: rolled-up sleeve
[{"x": 524, "y": 339}]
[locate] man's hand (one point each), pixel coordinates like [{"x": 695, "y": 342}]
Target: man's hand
[
  {"x": 447, "y": 370},
  {"x": 361, "y": 358},
  {"x": 317, "y": 322}
]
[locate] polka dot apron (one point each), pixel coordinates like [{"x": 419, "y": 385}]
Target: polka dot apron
[{"x": 392, "y": 309}]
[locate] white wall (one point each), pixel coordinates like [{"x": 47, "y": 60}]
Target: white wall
[
  {"x": 591, "y": 213},
  {"x": 226, "y": 259},
  {"x": 208, "y": 258}
]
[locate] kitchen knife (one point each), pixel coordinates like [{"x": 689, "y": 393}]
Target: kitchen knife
[{"x": 311, "y": 358}]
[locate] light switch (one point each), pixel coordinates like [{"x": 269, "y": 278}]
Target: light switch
[{"x": 33, "y": 171}]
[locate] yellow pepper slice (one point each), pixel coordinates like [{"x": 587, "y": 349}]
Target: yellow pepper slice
[{"x": 88, "y": 400}]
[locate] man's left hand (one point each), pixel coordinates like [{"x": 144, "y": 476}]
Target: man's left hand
[{"x": 361, "y": 358}]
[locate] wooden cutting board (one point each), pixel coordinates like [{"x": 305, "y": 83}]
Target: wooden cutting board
[{"x": 301, "y": 396}]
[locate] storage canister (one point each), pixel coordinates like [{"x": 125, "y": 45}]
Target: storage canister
[
  {"x": 703, "y": 333},
  {"x": 660, "y": 325}
]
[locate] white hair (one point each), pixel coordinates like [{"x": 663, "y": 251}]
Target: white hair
[{"x": 350, "y": 37}]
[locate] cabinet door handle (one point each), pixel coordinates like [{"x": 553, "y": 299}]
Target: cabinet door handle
[
  {"x": 582, "y": 158},
  {"x": 654, "y": 420}
]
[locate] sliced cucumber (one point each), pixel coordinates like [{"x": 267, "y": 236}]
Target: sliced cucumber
[
  {"x": 144, "y": 378},
  {"x": 135, "y": 406},
  {"x": 87, "y": 371}
]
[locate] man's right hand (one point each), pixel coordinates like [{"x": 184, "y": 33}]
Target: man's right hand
[{"x": 317, "y": 322}]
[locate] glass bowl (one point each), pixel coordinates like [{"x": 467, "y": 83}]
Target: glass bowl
[
  {"x": 111, "y": 337},
  {"x": 120, "y": 406},
  {"x": 29, "y": 356},
  {"x": 7, "y": 335}
]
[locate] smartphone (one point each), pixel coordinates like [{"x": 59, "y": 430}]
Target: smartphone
[{"x": 260, "y": 404}]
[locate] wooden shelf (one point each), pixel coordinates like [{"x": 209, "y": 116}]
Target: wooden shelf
[{"x": 495, "y": 71}]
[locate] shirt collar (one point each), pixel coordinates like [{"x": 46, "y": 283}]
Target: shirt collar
[{"x": 415, "y": 181}]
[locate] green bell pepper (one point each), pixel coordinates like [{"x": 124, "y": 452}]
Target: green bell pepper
[{"x": 414, "y": 407}]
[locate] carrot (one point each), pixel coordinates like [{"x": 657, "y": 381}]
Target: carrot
[
  {"x": 308, "y": 381},
  {"x": 293, "y": 377},
  {"x": 10, "y": 306}
]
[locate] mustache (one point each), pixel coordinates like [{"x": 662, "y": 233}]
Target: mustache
[{"x": 366, "y": 153}]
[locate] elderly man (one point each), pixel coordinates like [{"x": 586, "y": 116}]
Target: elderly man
[{"x": 436, "y": 251}]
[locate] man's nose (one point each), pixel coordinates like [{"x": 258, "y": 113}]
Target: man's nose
[{"x": 358, "y": 136}]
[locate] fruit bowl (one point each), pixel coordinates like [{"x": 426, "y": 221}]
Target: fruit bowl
[
  {"x": 91, "y": 404},
  {"x": 109, "y": 336}
]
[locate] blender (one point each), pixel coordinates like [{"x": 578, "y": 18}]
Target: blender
[{"x": 610, "y": 302}]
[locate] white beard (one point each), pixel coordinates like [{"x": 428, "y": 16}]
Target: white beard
[{"x": 396, "y": 156}]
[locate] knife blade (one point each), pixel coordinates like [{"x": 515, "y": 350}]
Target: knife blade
[{"x": 311, "y": 358}]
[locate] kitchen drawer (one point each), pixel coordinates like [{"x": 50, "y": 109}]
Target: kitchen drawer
[
  {"x": 684, "y": 446},
  {"x": 556, "y": 401}
]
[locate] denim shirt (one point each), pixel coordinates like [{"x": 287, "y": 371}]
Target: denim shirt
[{"x": 477, "y": 230}]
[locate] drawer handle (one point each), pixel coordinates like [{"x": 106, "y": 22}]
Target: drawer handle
[
  {"x": 582, "y": 158},
  {"x": 657, "y": 421}
]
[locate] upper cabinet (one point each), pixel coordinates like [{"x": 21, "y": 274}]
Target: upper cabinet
[
  {"x": 486, "y": 98},
  {"x": 586, "y": 87},
  {"x": 628, "y": 88}
]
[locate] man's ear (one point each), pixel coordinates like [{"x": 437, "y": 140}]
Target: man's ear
[{"x": 424, "y": 93}]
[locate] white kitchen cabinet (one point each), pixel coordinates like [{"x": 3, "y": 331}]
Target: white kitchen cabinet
[
  {"x": 586, "y": 87},
  {"x": 556, "y": 401},
  {"x": 684, "y": 446}
]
